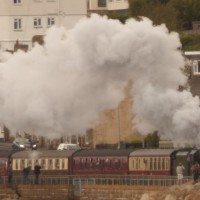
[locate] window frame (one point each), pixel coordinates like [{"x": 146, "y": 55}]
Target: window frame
[
  {"x": 17, "y": 2},
  {"x": 37, "y": 22},
  {"x": 196, "y": 67},
  {"x": 51, "y": 21},
  {"x": 17, "y": 24},
  {"x": 101, "y": 3}
]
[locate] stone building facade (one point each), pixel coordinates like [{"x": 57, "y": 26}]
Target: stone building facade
[{"x": 115, "y": 127}]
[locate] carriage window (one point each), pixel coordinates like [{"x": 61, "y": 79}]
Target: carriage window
[
  {"x": 117, "y": 163},
  {"x": 155, "y": 164},
  {"x": 163, "y": 163},
  {"x": 36, "y": 162},
  {"x": 159, "y": 164},
  {"x": 63, "y": 164},
  {"x": 145, "y": 163},
  {"x": 133, "y": 164},
  {"x": 29, "y": 163},
  {"x": 151, "y": 164},
  {"x": 16, "y": 165},
  {"x": 57, "y": 164},
  {"x": 98, "y": 162},
  {"x": 167, "y": 163},
  {"x": 43, "y": 164},
  {"x": 137, "y": 164},
  {"x": 50, "y": 164},
  {"x": 22, "y": 164}
]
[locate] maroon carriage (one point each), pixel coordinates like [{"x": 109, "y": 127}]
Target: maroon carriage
[
  {"x": 4, "y": 162},
  {"x": 101, "y": 161}
]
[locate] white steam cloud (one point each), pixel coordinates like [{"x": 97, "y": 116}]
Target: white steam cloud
[{"x": 62, "y": 87}]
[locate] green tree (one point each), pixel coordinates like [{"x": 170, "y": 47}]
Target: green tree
[
  {"x": 152, "y": 140},
  {"x": 187, "y": 12},
  {"x": 159, "y": 11}
]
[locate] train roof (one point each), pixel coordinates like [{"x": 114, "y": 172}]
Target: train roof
[
  {"x": 103, "y": 152},
  {"x": 43, "y": 154},
  {"x": 152, "y": 152}
]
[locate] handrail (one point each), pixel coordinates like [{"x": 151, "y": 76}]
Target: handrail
[{"x": 99, "y": 180}]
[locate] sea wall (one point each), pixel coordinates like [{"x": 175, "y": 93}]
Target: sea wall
[{"x": 187, "y": 191}]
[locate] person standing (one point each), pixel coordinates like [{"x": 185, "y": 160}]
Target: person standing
[
  {"x": 179, "y": 171},
  {"x": 26, "y": 172},
  {"x": 10, "y": 173},
  {"x": 37, "y": 173},
  {"x": 196, "y": 172}
]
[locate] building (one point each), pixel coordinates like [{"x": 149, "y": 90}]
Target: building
[
  {"x": 108, "y": 6},
  {"x": 193, "y": 62},
  {"x": 22, "y": 20},
  {"x": 115, "y": 128}
]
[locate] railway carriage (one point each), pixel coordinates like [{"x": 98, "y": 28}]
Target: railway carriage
[
  {"x": 4, "y": 162},
  {"x": 101, "y": 161},
  {"x": 52, "y": 162},
  {"x": 151, "y": 162}
]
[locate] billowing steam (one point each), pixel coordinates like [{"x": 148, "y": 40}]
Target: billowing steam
[{"x": 62, "y": 87}]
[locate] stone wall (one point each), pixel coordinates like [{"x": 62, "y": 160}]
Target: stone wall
[{"x": 187, "y": 191}]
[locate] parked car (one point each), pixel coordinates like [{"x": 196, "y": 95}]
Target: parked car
[
  {"x": 23, "y": 143},
  {"x": 64, "y": 146}
]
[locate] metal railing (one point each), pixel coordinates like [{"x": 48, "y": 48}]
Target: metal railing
[{"x": 99, "y": 180}]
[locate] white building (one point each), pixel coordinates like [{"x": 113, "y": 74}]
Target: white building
[
  {"x": 22, "y": 19},
  {"x": 103, "y": 6}
]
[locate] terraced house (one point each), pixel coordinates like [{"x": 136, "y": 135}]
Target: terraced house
[
  {"x": 108, "y": 6},
  {"x": 23, "y": 21}
]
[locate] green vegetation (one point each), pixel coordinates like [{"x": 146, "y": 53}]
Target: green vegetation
[
  {"x": 152, "y": 140},
  {"x": 178, "y": 16}
]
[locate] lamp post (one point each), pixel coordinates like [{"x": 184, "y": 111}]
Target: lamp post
[{"x": 118, "y": 126}]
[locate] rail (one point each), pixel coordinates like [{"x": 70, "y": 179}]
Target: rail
[{"x": 99, "y": 180}]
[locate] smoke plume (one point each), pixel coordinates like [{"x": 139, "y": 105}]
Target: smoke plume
[{"x": 61, "y": 87}]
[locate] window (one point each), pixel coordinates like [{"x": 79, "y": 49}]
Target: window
[
  {"x": 50, "y": 21},
  {"x": 17, "y": 24},
  {"x": 17, "y": 1},
  {"x": 163, "y": 163},
  {"x": 43, "y": 164},
  {"x": 196, "y": 67},
  {"x": 101, "y": 3},
  {"x": 22, "y": 164},
  {"x": 50, "y": 164},
  {"x": 63, "y": 164},
  {"x": 37, "y": 22},
  {"x": 57, "y": 163}
]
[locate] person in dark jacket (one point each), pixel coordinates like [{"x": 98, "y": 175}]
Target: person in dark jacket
[
  {"x": 37, "y": 173},
  {"x": 195, "y": 170},
  {"x": 26, "y": 172},
  {"x": 10, "y": 173}
]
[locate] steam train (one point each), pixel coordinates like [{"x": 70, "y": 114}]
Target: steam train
[{"x": 101, "y": 161}]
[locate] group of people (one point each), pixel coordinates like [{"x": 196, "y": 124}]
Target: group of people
[
  {"x": 26, "y": 171},
  {"x": 180, "y": 172}
]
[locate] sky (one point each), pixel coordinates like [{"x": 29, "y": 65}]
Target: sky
[{"x": 63, "y": 86}]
